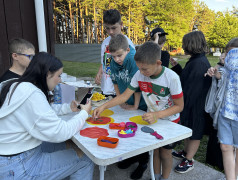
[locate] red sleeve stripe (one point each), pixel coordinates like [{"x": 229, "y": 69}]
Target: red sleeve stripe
[
  {"x": 176, "y": 120},
  {"x": 177, "y": 96}
]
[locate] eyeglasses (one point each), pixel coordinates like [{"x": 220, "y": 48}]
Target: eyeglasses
[{"x": 30, "y": 56}]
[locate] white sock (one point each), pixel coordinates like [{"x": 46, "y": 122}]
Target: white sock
[{"x": 157, "y": 176}]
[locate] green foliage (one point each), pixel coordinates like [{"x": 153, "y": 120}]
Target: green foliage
[
  {"x": 177, "y": 17},
  {"x": 224, "y": 29},
  {"x": 204, "y": 18},
  {"x": 173, "y": 16}
]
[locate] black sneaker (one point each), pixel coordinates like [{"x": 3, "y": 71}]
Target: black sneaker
[
  {"x": 185, "y": 166},
  {"x": 139, "y": 171},
  {"x": 125, "y": 163},
  {"x": 179, "y": 155}
]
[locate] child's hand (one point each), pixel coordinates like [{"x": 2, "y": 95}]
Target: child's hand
[
  {"x": 74, "y": 105},
  {"x": 211, "y": 72},
  {"x": 173, "y": 62},
  {"x": 97, "y": 112},
  {"x": 87, "y": 107},
  {"x": 149, "y": 117},
  {"x": 98, "y": 78},
  {"x": 123, "y": 106}
]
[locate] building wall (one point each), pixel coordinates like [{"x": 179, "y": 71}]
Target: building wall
[{"x": 18, "y": 20}]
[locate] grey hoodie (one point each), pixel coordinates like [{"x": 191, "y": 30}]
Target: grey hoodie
[{"x": 28, "y": 119}]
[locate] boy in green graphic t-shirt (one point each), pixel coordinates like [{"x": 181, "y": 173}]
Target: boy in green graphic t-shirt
[{"x": 162, "y": 92}]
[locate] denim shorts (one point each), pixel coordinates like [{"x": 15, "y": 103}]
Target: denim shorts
[
  {"x": 49, "y": 161},
  {"x": 227, "y": 131}
]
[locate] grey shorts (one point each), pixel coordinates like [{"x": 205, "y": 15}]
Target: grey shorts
[{"x": 227, "y": 131}]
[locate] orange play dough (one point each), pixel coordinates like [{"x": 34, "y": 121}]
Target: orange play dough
[
  {"x": 138, "y": 120},
  {"x": 100, "y": 121},
  {"x": 106, "y": 112}
]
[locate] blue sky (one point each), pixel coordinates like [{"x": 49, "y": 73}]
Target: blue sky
[{"x": 221, "y": 5}]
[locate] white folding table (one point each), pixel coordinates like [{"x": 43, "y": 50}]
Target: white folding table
[{"x": 129, "y": 147}]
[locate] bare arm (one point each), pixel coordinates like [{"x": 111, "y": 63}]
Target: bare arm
[
  {"x": 117, "y": 89},
  {"x": 99, "y": 75},
  {"x": 115, "y": 101},
  {"x": 151, "y": 117},
  {"x": 123, "y": 105},
  {"x": 156, "y": 36},
  {"x": 137, "y": 96}
]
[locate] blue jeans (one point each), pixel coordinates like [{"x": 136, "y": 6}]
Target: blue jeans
[
  {"x": 48, "y": 161},
  {"x": 227, "y": 131}
]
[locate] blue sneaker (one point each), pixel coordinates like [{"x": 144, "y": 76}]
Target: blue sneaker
[{"x": 185, "y": 166}]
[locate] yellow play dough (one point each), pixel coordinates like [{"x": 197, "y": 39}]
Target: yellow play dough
[
  {"x": 106, "y": 113},
  {"x": 112, "y": 120},
  {"x": 138, "y": 120}
]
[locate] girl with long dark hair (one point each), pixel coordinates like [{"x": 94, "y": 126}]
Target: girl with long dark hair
[{"x": 32, "y": 135}]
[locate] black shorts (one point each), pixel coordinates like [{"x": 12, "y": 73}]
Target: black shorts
[{"x": 170, "y": 146}]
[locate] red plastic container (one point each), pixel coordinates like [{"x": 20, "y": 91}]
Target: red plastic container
[
  {"x": 117, "y": 126},
  {"x": 107, "y": 141}
]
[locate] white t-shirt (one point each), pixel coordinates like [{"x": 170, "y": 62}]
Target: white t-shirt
[
  {"x": 106, "y": 82},
  {"x": 159, "y": 91}
]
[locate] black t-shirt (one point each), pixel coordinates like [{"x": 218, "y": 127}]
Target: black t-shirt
[
  {"x": 165, "y": 56},
  {"x": 8, "y": 75}
]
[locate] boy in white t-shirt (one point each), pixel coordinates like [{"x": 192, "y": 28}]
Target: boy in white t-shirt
[
  {"x": 162, "y": 92},
  {"x": 113, "y": 25}
]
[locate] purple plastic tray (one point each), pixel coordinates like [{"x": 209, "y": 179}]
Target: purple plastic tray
[
  {"x": 131, "y": 124},
  {"x": 126, "y": 135}
]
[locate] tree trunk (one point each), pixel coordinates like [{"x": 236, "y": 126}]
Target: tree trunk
[
  {"x": 71, "y": 22},
  {"x": 66, "y": 25},
  {"x": 77, "y": 20},
  {"x": 63, "y": 32},
  {"x": 95, "y": 22},
  {"x": 55, "y": 22},
  {"x": 98, "y": 37},
  {"x": 87, "y": 24},
  {"x": 102, "y": 31},
  {"x": 82, "y": 21},
  {"x": 129, "y": 22}
]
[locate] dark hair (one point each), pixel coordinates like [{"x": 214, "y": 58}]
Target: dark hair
[
  {"x": 36, "y": 73},
  {"x": 118, "y": 42},
  {"x": 194, "y": 43},
  {"x": 232, "y": 43},
  {"x": 137, "y": 47},
  {"x": 111, "y": 16},
  {"x": 148, "y": 53}
]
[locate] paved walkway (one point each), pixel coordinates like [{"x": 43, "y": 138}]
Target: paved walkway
[{"x": 200, "y": 172}]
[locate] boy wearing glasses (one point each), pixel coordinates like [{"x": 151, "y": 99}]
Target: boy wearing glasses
[
  {"x": 21, "y": 53},
  {"x": 113, "y": 25}
]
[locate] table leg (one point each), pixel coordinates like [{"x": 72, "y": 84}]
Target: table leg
[
  {"x": 102, "y": 169},
  {"x": 151, "y": 153}
]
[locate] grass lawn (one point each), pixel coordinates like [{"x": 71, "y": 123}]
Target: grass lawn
[
  {"x": 80, "y": 69},
  {"x": 83, "y": 69}
]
